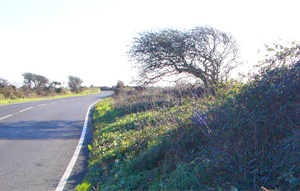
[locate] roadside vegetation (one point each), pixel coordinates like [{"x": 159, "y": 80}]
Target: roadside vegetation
[
  {"x": 38, "y": 87},
  {"x": 223, "y": 136}
]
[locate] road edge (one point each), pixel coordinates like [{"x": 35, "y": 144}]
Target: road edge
[{"x": 72, "y": 163}]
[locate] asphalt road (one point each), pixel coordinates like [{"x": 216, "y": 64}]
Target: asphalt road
[{"x": 38, "y": 140}]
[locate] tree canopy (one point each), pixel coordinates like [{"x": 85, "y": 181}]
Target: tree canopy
[
  {"x": 35, "y": 81},
  {"x": 74, "y": 83},
  {"x": 204, "y": 52}
]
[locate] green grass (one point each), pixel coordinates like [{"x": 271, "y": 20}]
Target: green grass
[
  {"x": 129, "y": 149},
  {"x": 7, "y": 101}
]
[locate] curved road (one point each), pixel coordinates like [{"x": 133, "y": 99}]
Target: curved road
[{"x": 38, "y": 140}]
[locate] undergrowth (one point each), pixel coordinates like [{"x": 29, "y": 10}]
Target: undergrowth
[{"x": 242, "y": 137}]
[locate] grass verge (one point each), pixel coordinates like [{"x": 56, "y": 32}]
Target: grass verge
[{"x": 87, "y": 92}]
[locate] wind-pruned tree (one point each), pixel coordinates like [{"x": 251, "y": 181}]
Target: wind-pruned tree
[
  {"x": 35, "y": 81},
  {"x": 74, "y": 83},
  {"x": 203, "y": 52},
  {"x": 120, "y": 85}
]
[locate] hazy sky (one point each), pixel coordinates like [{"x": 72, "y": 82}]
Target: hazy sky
[{"x": 89, "y": 38}]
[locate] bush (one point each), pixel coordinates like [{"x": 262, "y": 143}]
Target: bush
[
  {"x": 250, "y": 127},
  {"x": 11, "y": 92},
  {"x": 63, "y": 91}
]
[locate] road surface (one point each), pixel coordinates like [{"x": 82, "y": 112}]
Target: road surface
[{"x": 38, "y": 140}]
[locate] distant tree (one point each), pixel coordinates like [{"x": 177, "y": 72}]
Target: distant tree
[
  {"x": 105, "y": 88},
  {"x": 74, "y": 83},
  {"x": 35, "y": 81},
  {"x": 54, "y": 84},
  {"x": 204, "y": 52},
  {"x": 120, "y": 85}
]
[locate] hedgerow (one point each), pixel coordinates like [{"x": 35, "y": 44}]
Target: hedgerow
[{"x": 242, "y": 137}]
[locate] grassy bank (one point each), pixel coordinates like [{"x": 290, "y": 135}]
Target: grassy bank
[
  {"x": 17, "y": 100},
  {"x": 243, "y": 137}
]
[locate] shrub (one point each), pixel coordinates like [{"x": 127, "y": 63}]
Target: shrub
[
  {"x": 250, "y": 127},
  {"x": 63, "y": 91},
  {"x": 11, "y": 92}
]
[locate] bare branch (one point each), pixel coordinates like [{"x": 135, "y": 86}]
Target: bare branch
[{"x": 203, "y": 52}]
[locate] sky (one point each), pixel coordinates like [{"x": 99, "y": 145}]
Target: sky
[{"x": 89, "y": 38}]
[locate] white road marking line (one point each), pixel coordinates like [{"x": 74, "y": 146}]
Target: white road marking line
[
  {"x": 53, "y": 102},
  {"x": 70, "y": 167},
  {"x": 5, "y": 117},
  {"x": 25, "y": 109},
  {"x": 42, "y": 104},
  {"x": 71, "y": 99}
]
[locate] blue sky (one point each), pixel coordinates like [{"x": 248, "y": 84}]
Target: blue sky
[{"x": 89, "y": 38}]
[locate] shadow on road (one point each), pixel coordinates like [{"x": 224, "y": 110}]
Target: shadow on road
[{"x": 31, "y": 130}]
